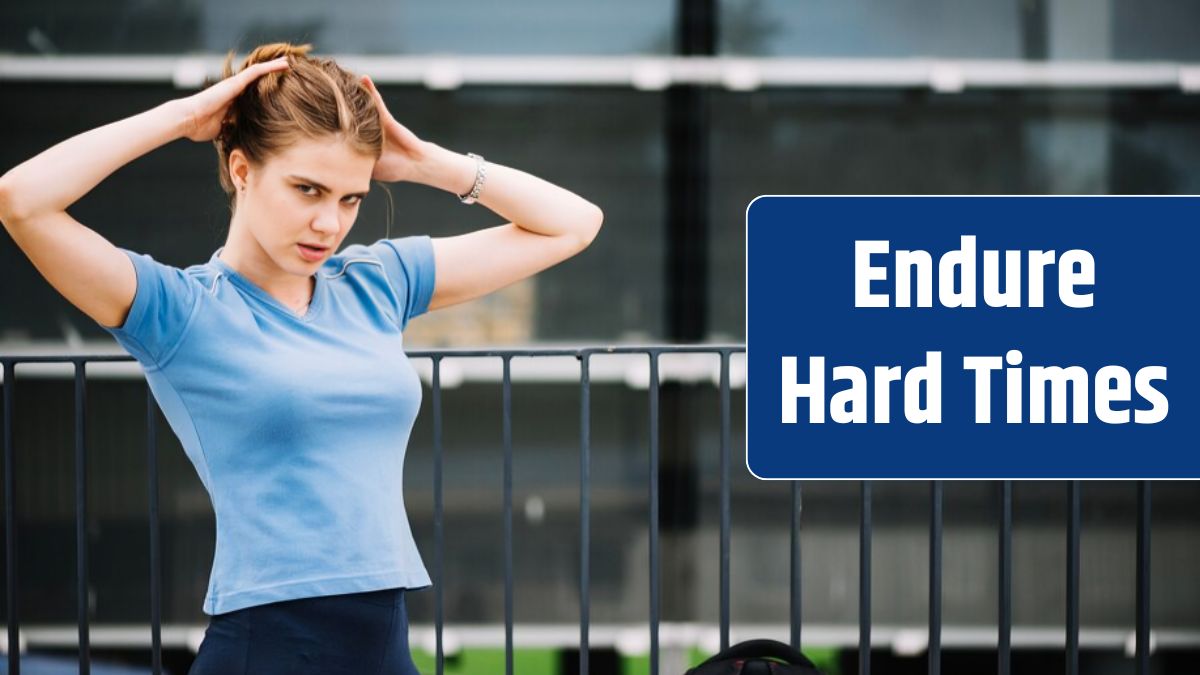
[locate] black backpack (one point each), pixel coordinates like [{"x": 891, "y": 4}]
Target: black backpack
[{"x": 749, "y": 658}]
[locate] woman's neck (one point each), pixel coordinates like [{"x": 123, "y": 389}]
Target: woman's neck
[{"x": 248, "y": 258}]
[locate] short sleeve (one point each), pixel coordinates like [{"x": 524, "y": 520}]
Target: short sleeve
[
  {"x": 408, "y": 262},
  {"x": 162, "y": 307}
]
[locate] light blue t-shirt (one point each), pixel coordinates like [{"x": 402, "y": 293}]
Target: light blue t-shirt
[{"x": 297, "y": 425}]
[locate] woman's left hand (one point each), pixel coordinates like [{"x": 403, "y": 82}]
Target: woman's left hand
[{"x": 403, "y": 152}]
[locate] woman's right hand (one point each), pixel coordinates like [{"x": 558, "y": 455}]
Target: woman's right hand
[{"x": 204, "y": 111}]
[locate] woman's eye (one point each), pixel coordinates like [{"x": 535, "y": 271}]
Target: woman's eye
[{"x": 352, "y": 200}]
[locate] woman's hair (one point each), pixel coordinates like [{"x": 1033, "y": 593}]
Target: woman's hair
[{"x": 312, "y": 98}]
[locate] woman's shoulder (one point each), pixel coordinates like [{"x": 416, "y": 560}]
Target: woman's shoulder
[
  {"x": 395, "y": 270},
  {"x": 388, "y": 254},
  {"x": 149, "y": 267},
  {"x": 346, "y": 260}
]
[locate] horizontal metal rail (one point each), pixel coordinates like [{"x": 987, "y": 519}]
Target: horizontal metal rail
[
  {"x": 646, "y": 73},
  {"x": 622, "y": 367},
  {"x": 630, "y": 639}
]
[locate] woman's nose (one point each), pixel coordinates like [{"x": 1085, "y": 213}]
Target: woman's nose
[{"x": 326, "y": 221}]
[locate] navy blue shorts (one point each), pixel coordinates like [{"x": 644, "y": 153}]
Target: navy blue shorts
[{"x": 354, "y": 634}]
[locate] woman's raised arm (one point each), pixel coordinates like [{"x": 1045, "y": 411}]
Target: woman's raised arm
[
  {"x": 83, "y": 266},
  {"x": 548, "y": 223}
]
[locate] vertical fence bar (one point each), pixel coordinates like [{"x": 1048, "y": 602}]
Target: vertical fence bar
[
  {"x": 438, "y": 535},
  {"x": 585, "y": 507},
  {"x": 155, "y": 546},
  {"x": 654, "y": 576},
  {"x": 794, "y": 572},
  {"x": 10, "y": 520},
  {"x": 725, "y": 442},
  {"x": 508, "y": 524},
  {"x": 81, "y": 516},
  {"x": 1073, "y": 577},
  {"x": 935, "y": 578},
  {"x": 1143, "y": 578},
  {"x": 1004, "y": 639},
  {"x": 864, "y": 580}
]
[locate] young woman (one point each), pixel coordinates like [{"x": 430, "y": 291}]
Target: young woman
[{"x": 279, "y": 363}]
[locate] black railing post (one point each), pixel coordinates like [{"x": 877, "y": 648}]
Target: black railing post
[
  {"x": 438, "y": 534},
  {"x": 725, "y": 515},
  {"x": 1143, "y": 578},
  {"x": 585, "y": 508},
  {"x": 935, "y": 578},
  {"x": 10, "y": 519},
  {"x": 1072, "y": 637},
  {"x": 1004, "y": 639},
  {"x": 795, "y": 569},
  {"x": 654, "y": 576},
  {"x": 155, "y": 546},
  {"x": 864, "y": 580},
  {"x": 81, "y": 558},
  {"x": 508, "y": 524}
]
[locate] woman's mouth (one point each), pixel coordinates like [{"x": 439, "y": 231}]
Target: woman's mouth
[{"x": 311, "y": 253}]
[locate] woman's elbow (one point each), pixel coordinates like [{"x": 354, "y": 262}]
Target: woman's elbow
[
  {"x": 9, "y": 211},
  {"x": 16, "y": 207},
  {"x": 591, "y": 226}
]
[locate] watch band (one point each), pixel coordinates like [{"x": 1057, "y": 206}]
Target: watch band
[{"x": 480, "y": 177}]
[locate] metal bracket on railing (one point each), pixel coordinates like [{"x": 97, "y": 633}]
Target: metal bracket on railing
[
  {"x": 1189, "y": 79},
  {"x": 23, "y": 642}
]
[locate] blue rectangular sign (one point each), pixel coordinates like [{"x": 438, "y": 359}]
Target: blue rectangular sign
[{"x": 972, "y": 337}]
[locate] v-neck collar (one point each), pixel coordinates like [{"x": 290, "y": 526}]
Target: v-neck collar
[{"x": 252, "y": 288}]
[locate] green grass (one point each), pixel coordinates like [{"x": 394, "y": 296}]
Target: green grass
[
  {"x": 546, "y": 661},
  {"x": 490, "y": 662}
]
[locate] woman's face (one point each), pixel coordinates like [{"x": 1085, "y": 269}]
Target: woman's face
[{"x": 307, "y": 194}]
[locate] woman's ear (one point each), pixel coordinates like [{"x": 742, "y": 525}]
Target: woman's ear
[{"x": 239, "y": 168}]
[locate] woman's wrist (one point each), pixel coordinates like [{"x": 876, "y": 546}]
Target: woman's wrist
[
  {"x": 446, "y": 170},
  {"x": 177, "y": 111}
]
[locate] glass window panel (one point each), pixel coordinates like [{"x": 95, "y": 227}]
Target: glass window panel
[
  {"x": 1156, "y": 29},
  {"x": 360, "y": 27},
  {"x": 1014, "y": 29},
  {"x": 1122, "y": 30},
  {"x": 908, "y": 142},
  {"x": 863, "y": 28}
]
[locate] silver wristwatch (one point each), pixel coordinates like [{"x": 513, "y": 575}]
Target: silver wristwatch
[{"x": 480, "y": 176}]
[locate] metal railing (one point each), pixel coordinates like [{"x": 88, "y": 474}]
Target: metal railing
[
  {"x": 647, "y": 72},
  {"x": 584, "y": 356}
]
